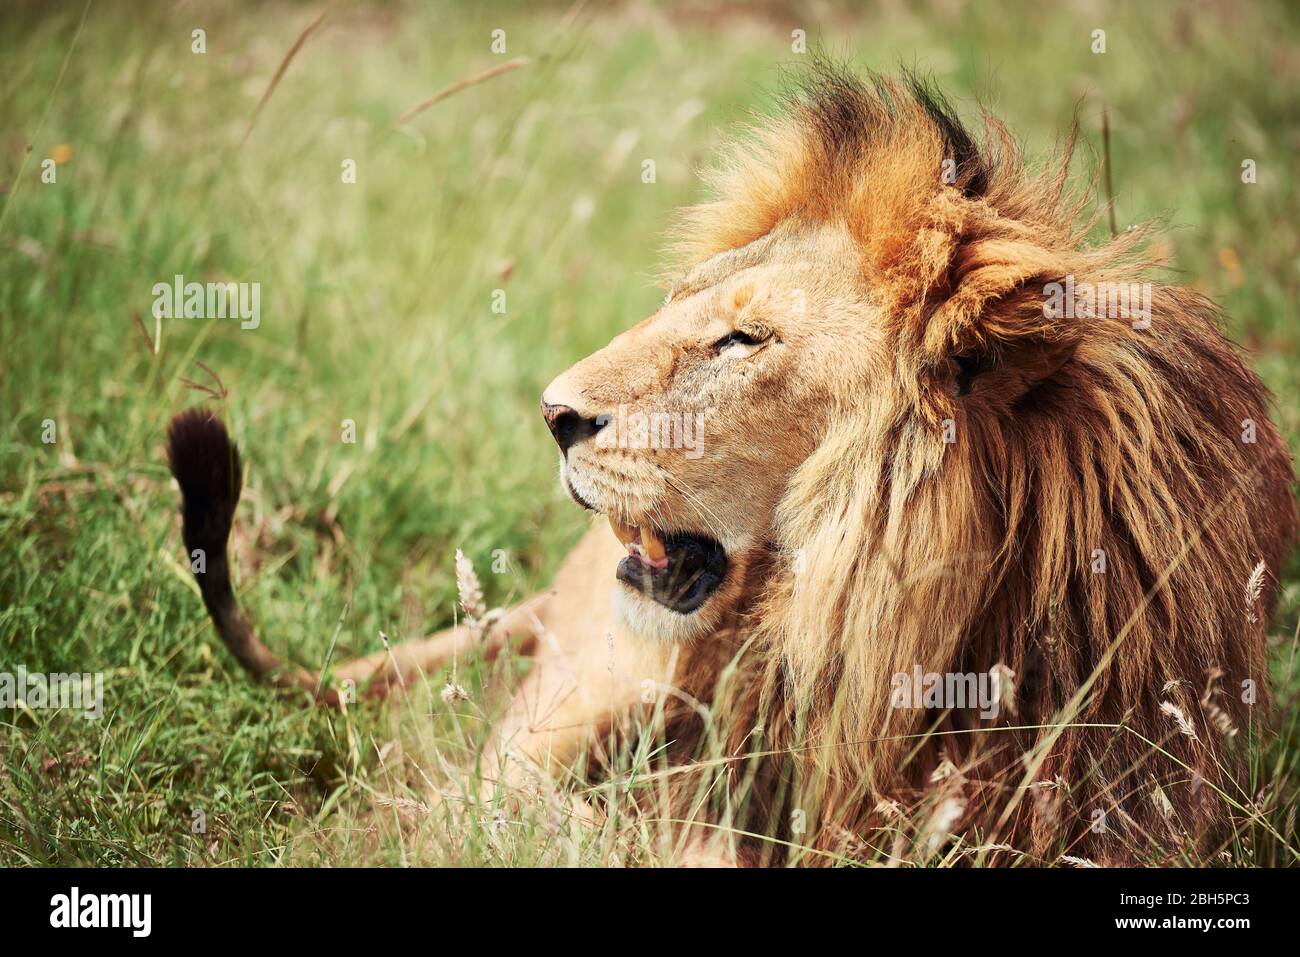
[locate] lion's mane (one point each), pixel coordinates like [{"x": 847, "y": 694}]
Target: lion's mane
[{"x": 1092, "y": 522}]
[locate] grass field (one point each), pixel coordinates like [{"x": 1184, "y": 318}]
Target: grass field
[{"x": 377, "y": 307}]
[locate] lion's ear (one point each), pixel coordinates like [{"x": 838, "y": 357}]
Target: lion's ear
[
  {"x": 991, "y": 333},
  {"x": 1005, "y": 372}
]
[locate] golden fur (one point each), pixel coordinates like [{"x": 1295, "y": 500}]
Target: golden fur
[{"x": 916, "y": 466}]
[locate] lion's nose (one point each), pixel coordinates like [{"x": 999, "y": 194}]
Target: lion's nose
[{"x": 568, "y": 426}]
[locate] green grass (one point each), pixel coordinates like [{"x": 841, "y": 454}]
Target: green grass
[{"x": 377, "y": 307}]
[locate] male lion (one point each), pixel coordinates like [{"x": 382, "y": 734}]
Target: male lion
[{"x": 913, "y": 462}]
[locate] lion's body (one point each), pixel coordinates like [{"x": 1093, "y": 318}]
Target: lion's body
[{"x": 913, "y": 466}]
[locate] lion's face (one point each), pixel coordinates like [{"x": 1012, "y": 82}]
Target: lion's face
[{"x": 684, "y": 430}]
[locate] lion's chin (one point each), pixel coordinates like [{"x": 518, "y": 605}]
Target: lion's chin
[{"x": 645, "y": 618}]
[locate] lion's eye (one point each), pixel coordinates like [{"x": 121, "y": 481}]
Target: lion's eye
[{"x": 735, "y": 338}]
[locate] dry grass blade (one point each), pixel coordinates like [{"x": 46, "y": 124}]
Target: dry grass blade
[
  {"x": 284, "y": 65},
  {"x": 461, "y": 84},
  {"x": 1255, "y": 588},
  {"x": 148, "y": 339},
  {"x": 469, "y": 590},
  {"x": 219, "y": 393},
  {"x": 1179, "y": 717},
  {"x": 404, "y": 805},
  {"x": 1110, "y": 184}
]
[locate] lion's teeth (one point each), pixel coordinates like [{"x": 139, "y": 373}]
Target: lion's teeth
[
  {"x": 641, "y": 542},
  {"x": 624, "y": 533},
  {"x": 654, "y": 548}
]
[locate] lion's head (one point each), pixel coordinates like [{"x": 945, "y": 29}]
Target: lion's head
[
  {"x": 876, "y": 420},
  {"x": 687, "y": 429}
]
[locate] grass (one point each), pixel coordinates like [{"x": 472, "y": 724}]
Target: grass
[{"x": 377, "y": 307}]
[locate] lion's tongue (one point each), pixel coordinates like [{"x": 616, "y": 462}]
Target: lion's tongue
[{"x": 642, "y": 543}]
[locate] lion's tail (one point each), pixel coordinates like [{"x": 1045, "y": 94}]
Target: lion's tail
[{"x": 207, "y": 467}]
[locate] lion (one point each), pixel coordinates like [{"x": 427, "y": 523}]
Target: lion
[{"x": 916, "y": 460}]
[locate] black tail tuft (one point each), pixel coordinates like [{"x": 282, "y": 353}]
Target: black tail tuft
[{"x": 207, "y": 467}]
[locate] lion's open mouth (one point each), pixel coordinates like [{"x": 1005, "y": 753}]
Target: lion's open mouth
[{"x": 678, "y": 570}]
